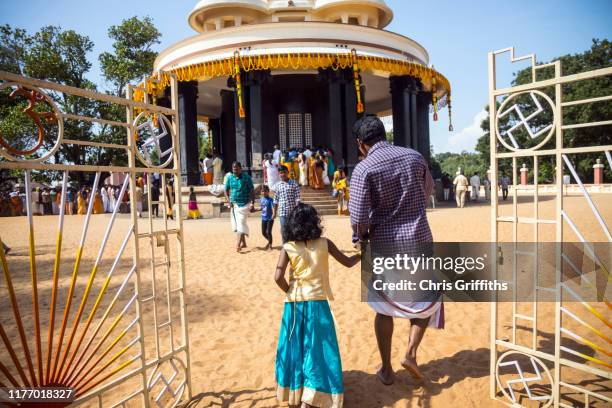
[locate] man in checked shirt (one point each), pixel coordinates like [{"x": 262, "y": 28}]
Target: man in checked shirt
[{"x": 389, "y": 192}]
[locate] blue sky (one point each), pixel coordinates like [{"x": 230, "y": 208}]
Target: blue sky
[{"x": 457, "y": 34}]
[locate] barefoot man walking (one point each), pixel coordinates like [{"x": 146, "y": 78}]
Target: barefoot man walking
[
  {"x": 389, "y": 190},
  {"x": 240, "y": 196}
]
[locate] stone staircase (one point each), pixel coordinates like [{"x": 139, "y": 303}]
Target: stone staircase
[
  {"x": 213, "y": 207},
  {"x": 322, "y": 200}
]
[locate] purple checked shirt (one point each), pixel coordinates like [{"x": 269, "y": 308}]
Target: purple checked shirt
[{"x": 388, "y": 195}]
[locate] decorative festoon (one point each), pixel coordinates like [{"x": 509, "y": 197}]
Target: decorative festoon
[
  {"x": 356, "y": 79},
  {"x": 241, "y": 111}
]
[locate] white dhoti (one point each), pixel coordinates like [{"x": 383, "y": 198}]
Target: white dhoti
[
  {"x": 239, "y": 216},
  {"x": 383, "y": 304}
]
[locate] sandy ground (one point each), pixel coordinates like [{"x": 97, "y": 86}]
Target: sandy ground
[{"x": 234, "y": 307}]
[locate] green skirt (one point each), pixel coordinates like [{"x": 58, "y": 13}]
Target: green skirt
[{"x": 308, "y": 366}]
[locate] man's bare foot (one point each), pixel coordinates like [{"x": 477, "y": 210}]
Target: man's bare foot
[
  {"x": 387, "y": 377},
  {"x": 238, "y": 248},
  {"x": 410, "y": 364}
]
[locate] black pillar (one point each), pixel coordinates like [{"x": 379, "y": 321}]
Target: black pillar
[
  {"x": 400, "y": 105},
  {"x": 410, "y": 107},
  {"x": 349, "y": 119},
  {"x": 254, "y": 81},
  {"x": 240, "y": 126},
  {"x": 214, "y": 130},
  {"x": 423, "y": 101},
  {"x": 188, "y": 132},
  {"x": 334, "y": 123},
  {"x": 228, "y": 134}
]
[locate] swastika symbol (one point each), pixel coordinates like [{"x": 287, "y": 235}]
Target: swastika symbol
[
  {"x": 519, "y": 119},
  {"x": 524, "y": 380},
  {"x": 524, "y": 120},
  {"x": 156, "y": 133},
  {"x": 166, "y": 388}
]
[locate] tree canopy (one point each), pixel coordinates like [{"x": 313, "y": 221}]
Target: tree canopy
[
  {"x": 62, "y": 56},
  {"x": 598, "y": 56}
]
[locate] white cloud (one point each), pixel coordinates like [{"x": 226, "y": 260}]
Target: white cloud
[{"x": 466, "y": 138}]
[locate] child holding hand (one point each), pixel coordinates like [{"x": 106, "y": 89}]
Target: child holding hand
[{"x": 308, "y": 366}]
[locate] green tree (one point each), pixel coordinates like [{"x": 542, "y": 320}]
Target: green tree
[
  {"x": 470, "y": 163},
  {"x": 14, "y": 43},
  {"x": 132, "y": 57},
  {"x": 598, "y": 56},
  {"x": 55, "y": 55}
]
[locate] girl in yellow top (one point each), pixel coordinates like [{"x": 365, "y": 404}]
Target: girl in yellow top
[
  {"x": 341, "y": 190},
  {"x": 308, "y": 366}
]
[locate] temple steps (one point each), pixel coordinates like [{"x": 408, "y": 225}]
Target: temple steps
[{"x": 322, "y": 200}]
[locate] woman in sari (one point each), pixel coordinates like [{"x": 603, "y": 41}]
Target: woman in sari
[
  {"x": 326, "y": 181},
  {"x": 295, "y": 164},
  {"x": 81, "y": 204},
  {"x": 303, "y": 166},
  {"x": 317, "y": 173},
  {"x": 98, "y": 206},
  {"x": 341, "y": 191},
  {"x": 331, "y": 167}
]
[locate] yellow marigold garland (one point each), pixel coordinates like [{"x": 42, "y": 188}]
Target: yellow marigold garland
[
  {"x": 432, "y": 80},
  {"x": 241, "y": 111}
]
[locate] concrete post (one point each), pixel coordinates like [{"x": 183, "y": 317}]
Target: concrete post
[
  {"x": 524, "y": 175},
  {"x": 598, "y": 172}
]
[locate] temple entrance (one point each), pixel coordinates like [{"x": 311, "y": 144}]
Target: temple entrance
[{"x": 294, "y": 130}]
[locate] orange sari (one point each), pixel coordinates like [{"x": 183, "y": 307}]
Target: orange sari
[{"x": 317, "y": 175}]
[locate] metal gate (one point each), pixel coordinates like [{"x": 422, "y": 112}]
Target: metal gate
[
  {"x": 95, "y": 301},
  {"x": 553, "y": 353}
]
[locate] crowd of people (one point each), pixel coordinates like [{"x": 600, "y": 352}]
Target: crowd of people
[
  {"x": 285, "y": 173},
  {"x": 466, "y": 190},
  {"x": 308, "y": 167},
  {"x": 48, "y": 200}
]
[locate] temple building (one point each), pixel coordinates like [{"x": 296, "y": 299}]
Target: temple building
[{"x": 297, "y": 73}]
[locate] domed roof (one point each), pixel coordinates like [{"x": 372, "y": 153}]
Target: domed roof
[
  {"x": 386, "y": 15},
  {"x": 205, "y": 5}
]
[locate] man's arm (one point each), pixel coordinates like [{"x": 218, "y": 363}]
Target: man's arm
[
  {"x": 359, "y": 204},
  {"x": 227, "y": 193}
]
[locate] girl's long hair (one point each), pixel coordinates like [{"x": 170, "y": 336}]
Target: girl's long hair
[{"x": 303, "y": 224}]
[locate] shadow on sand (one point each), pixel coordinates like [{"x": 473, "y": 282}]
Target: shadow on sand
[
  {"x": 224, "y": 399},
  {"x": 441, "y": 374}
]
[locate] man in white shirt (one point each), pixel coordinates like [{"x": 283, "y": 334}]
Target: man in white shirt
[
  {"x": 461, "y": 185},
  {"x": 217, "y": 165},
  {"x": 475, "y": 183},
  {"x": 208, "y": 163},
  {"x": 276, "y": 155}
]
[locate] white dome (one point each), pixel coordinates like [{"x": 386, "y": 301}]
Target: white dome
[
  {"x": 198, "y": 14},
  {"x": 385, "y": 13}
]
